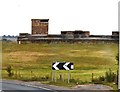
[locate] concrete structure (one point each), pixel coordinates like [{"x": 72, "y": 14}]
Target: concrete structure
[
  {"x": 67, "y": 34},
  {"x": 75, "y": 34},
  {"x": 81, "y": 34},
  {"x": 40, "y": 34},
  {"x": 115, "y": 33}
]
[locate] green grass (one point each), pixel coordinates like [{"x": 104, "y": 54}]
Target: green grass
[{"x": 38, "y": 58}]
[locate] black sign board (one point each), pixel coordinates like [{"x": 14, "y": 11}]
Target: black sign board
[{"x": 62, "y": 66}]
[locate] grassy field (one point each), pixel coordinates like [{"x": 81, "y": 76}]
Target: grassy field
[{"x": 35, "y": 60}]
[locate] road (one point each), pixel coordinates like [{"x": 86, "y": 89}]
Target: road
[
  {"x": 12, "y": 87},
  {"x": 20, "y": 86}
]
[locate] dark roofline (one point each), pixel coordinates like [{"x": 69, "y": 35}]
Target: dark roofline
[
  {"x": 78, "y": 30},
  {"x": 40, "y": 19},
  {"x": 23, "y": 33},
  {"x": 67, "y": 31},
  {"x": 86, "y": 31},
  {"x": 54, "y": 34}
]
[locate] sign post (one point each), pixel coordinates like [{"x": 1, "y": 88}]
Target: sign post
[
  {"x": 62, "y": 77},
  {"x": 68, "y": 76},
  {"x": 62, "y": 66},
  {"x": 52, "y": 75}
]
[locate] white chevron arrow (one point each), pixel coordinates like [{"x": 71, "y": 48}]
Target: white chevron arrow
[
  {"x": 55, "y": 65},
  {"x": 72, "y": 66},
  {"x": 65, "y": 66}
]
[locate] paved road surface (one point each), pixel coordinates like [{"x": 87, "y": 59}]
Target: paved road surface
[
  {"x": 11, "y": 87},
  {"x": 20, "y": 86}
]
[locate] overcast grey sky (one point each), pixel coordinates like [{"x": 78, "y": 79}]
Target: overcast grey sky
[{"x": 96, "y": 16}]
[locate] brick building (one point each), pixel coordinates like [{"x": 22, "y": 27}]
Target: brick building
[
  {"x": 75, "y": 34},
  {"x": 40, "y": 26},
  {"x": 39, "y": 33},
  {"x": 115, "y": 33},
  {"x": 67, "y": 34}
]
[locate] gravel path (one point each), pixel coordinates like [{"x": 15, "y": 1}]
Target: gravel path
[{"x": 94, "y": 88}]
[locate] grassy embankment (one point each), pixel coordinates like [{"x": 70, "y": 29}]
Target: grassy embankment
[{"x": 34, "y": 61}]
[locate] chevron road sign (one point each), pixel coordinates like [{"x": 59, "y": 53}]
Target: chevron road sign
[{"x": 62, "y": 66}]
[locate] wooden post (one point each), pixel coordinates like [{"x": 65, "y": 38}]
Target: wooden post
[
  {"x": 19, "y": 74},
  {"x": 16, "y": 73},
  {"x": 31, "y": 74},
  {"x": 60, "y": 77},
  {"x": 92, "y": 78}
]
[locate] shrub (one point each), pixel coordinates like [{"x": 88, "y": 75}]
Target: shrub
[
  {"x": 110, "y": 76},
  {"x": 9, "y": 71},
  {"x": 101, "y": 78},
  {"x": 73, "y": 81}
]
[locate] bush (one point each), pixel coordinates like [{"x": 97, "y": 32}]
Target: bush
[
  {"x": 110, "y": 76},
  {"x": 102, "y": 78},
  {"x": 96, "y": 81},
  {"x": 73, "y": 81},
  {"x": 9, "y": 71}
]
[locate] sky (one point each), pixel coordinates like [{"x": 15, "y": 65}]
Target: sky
[{"x": 100, "y": 17}]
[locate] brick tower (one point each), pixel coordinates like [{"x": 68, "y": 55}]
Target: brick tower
[{"x": 40, "y": 26}]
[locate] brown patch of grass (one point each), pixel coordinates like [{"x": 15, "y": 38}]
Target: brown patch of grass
[{"x": 26, "y": 55}]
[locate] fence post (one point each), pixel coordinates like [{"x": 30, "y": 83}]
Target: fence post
[{"x": 92, "y": 77}]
